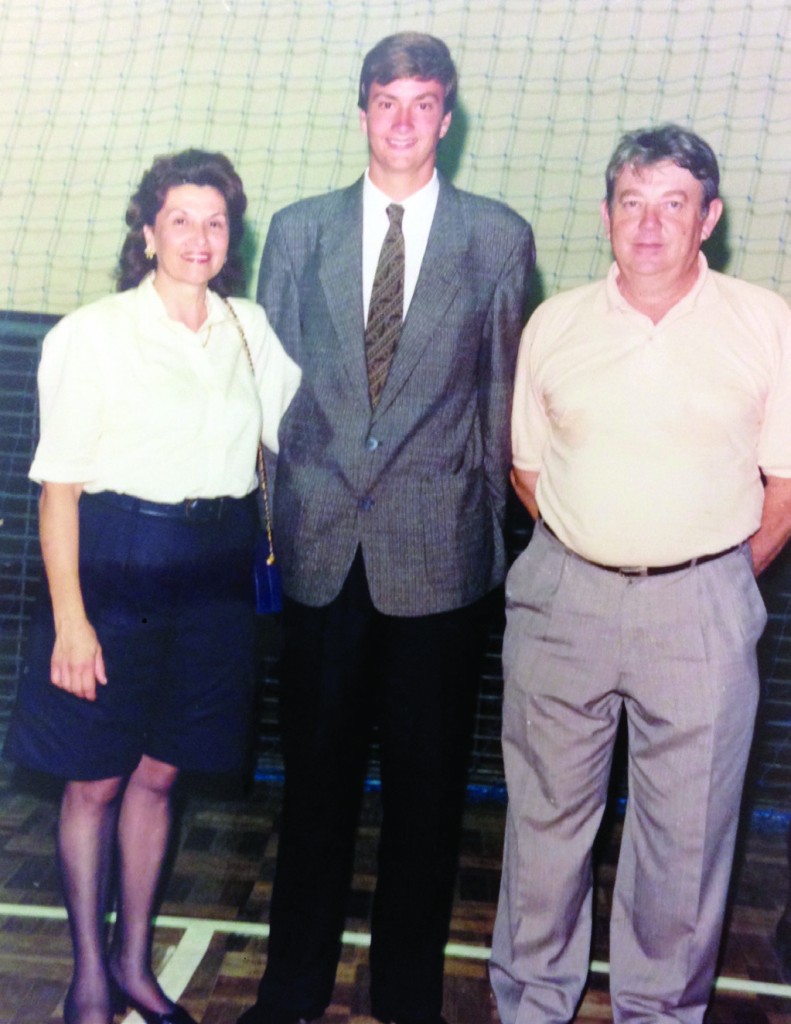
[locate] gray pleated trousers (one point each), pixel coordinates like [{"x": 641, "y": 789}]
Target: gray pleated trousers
[{"x": 677, "y": 652}]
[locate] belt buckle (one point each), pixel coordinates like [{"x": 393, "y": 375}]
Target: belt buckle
[{"x": 633, "y": 570}]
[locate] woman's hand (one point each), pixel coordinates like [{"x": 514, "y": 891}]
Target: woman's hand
[{"x": 77, "y": 662}]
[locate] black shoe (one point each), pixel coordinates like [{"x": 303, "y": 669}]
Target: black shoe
[{"x": 122, "y": 1001}]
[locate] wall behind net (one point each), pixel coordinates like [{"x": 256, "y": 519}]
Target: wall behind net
[{"x": 94, "y": 89}]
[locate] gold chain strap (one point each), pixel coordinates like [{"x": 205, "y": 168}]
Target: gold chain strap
[{"x": 261, "y": 463}]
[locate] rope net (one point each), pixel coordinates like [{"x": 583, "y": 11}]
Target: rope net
[{"x": 95, "y": 89}]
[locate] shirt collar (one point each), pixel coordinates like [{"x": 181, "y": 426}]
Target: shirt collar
[
  {"x": 151, "y": 305},
  {"x": 218, "y": 311},
  {"x": 424, "y": 199},
  {"x": 152, "y": 308}
]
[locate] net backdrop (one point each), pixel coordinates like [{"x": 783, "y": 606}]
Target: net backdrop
[{"x": 93, "y": 90}]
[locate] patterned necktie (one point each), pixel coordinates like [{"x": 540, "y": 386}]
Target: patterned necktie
[{"x": 386, "y": 309}]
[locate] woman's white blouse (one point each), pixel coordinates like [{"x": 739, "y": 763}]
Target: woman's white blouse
[{"x": 135, "y": 402}]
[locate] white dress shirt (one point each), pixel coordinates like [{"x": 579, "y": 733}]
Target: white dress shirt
[{"x": 418, "y": 216}]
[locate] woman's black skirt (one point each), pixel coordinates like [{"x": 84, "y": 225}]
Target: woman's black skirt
[{"x": 168, "y": 589}]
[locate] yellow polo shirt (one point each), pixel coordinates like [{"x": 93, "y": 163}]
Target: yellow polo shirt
[{"x": 649, "y": 438}]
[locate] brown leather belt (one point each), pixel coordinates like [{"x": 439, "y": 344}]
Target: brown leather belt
[{"x": 646, "y": 570}]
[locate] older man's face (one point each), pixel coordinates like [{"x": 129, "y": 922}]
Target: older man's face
[{"x": 655, "y": 225}]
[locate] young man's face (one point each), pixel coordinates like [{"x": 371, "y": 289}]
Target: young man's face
[{"x": 404, "y": 121}]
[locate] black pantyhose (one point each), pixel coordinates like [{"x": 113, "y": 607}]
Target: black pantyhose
[{"x": 90, "y": 821}]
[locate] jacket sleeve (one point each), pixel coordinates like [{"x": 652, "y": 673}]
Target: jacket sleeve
[{"x": 504, "y": 325}]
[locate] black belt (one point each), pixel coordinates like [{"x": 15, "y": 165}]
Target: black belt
[
  {"x": 646, "y": 570},
  {"x": 195, "y": 509}
]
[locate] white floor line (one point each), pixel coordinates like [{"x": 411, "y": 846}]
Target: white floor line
[{"x": 182, "y": 960}]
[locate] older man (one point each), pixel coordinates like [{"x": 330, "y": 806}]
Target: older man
[{"x": 652, "y": 442}]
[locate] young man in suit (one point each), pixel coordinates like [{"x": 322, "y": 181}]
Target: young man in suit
[{"x": 402, "y": 300}]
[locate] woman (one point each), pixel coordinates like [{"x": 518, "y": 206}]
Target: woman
[{"x": 141, "y": 663}]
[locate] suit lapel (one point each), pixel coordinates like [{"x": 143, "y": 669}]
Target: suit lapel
[
  {"x": 340, "y": 273},
  {"x": 441, "y": 275}
]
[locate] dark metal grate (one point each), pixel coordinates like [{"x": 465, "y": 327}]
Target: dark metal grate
[{"x": 20, "y": 562}]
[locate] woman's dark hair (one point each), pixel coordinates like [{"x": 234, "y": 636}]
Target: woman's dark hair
[
  {"x": 191, "y": 167},
  {"x": 409, "y": 55},
  {"x": 648, "y": 146}
]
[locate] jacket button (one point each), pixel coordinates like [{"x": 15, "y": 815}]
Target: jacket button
[
  {"x": 372, "y": 443},
  {"x": 366, "y": 504}
]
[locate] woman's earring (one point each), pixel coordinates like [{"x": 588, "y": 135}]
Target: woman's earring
[{"x": 150, "y": 251}]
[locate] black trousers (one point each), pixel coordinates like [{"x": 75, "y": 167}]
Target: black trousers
[{"x": 345, "y": 667}]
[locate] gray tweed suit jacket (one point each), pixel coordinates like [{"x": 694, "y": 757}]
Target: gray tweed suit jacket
[{"x": 419, "y": 484}]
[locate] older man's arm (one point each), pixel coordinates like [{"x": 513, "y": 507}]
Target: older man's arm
[
  {"x": 524, "y": 482},
  {"x": 775, "y": 529}
]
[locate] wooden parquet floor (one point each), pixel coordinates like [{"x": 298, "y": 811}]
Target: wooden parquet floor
[{"x": 210, "y": 947}]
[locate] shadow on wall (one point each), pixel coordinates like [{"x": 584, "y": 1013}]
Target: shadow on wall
[
  {"x": 451, "y": 147},
  {"x": 717, "y": 248},
  {"x": 249, "y": 252}
]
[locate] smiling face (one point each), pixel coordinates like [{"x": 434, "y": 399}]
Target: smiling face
[
  {"x": 655, "y": 226},
  {"x": 189, "y": 236},
  {"x": 404, "y": 122}
]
